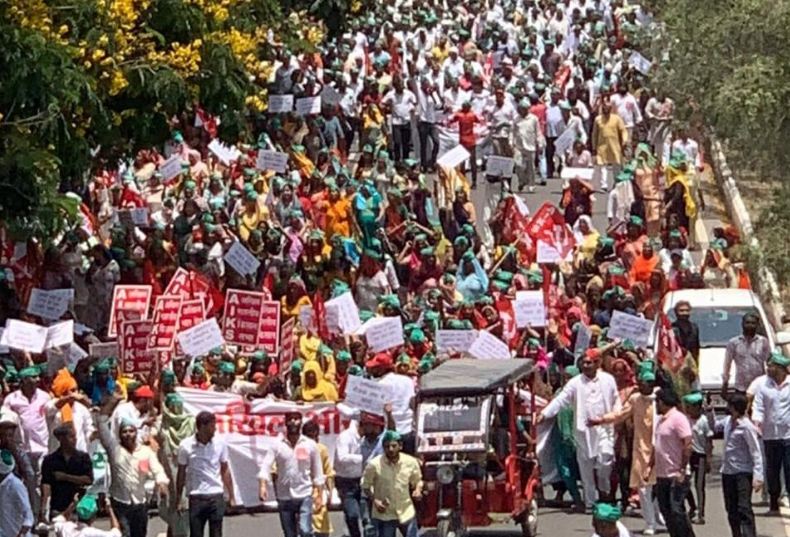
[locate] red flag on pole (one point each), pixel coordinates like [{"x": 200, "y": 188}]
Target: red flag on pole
[{"x": 670, "y": 353}]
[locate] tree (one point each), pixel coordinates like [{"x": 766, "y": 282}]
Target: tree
[
  {"x": 87, "y": 82},
  {"x": 731, "y": 62}
]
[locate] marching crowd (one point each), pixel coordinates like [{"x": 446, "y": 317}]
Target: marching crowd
[{"x": 366, "y": 206}]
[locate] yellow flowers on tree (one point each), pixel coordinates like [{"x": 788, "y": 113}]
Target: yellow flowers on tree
[{"x": 92, "y": 81}]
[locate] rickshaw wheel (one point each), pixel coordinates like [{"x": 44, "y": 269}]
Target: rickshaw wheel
[
  {"x": 443, "y": 528},
  {"x": 529, "y": 524}
]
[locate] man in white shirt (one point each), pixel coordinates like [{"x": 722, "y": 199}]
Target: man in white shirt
[
  {"x": 771, "y": 415},
  {"x": 401, "y": 103},
  {"x": 555, "y": 126},
  {"x": 527, "y": 140},
  {"x": 501, "y": 115},
  {"x": 16, "y": 515},
  {"x": 401, "y": 391},
  {"x": 429, "y": 105},
  {"x": 135, "y": 411},
  {"x": 688, "y": 147},
  {"x": 300, "y": 478},
  {"x": 627, "y": 108},
  {"x": 593, "y": 394}
]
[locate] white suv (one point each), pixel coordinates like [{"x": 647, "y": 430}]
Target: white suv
[{"x": 718, "y": 314}]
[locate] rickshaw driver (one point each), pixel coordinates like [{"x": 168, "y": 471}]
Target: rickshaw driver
[{"x": 606, "y": 521}]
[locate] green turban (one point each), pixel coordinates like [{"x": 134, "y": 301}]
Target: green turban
[
  {"x": 417, "y": 336},
  {"x": 29, "y": 372},
  {"x": 227, "y": 367},
  {"x": 168, "y": 377},
  {"x": 572, "y": 371},
  {"x": 646, "y": 375},
  {"x": 259, "y": 356},
  {"x": 693, "y": 398},
  {"x": 606, "y": 512},
  {"x": 296, "y": 367},
  {"x": 636, "y": 220},
  {"x": 173, "y": 399},
  {"x": 392, "y": 436},
  {"x": 776, "y": 358},
  {"x": 87, "y": 508},
  {"x": 343, "y": 356},
  {"x": 355, "y": 371}
]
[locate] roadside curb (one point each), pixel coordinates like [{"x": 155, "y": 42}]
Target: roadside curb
[{"x": 766, "y": 285}]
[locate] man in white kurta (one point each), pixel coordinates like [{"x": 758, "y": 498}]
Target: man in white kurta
[{"x": 593, "y": 394}]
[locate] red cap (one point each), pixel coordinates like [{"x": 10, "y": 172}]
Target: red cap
[
  {"x": 593, "y": 354},
  {"x": 382, "y": 359},
  {"x": 373, "y": 419},
  {"x": 144, "y": 392}
]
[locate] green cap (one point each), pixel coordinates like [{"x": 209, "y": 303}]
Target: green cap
[
  {"x": 227, "y": 367},
  {"x": 29, "y": 372},
  {"x": 693, "y": 398},
  {"x": 776, "y": 358},
  {"x": 173, "y": 398},
  {"x": 87, "y": 508},
  {"x": 636, "y": 220},
  {"x": 259, "y": 356},
  {"x": 343, "y": 356},
  {"x": 355, "y": 370},
  {"x": 646, "y": 375},
  {"x": 572, "y": 371},
  {"x": 417, "y": 336},
  {"x": 606, "y": 512},
  {"x": 296, "y": 367},
  {"x": 392, "y": 436}
]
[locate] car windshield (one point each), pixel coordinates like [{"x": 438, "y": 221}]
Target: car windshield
[{"x": 718, "y": 325}]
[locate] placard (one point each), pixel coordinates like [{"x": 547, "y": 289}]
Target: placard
[
  {"x": 121, "y": 316},
  {"x": 280, "y": 103},
  {"x": 226, "y": 154},
  {"x": 308, "y": 105},
  {"x": 128, "y": 297},
  {"x": 530, "y": 309},
  {"x": 192, "y": 312},
  {"x": 103, "y": 350},
  {"x": 585, "y": 174},
  {"x": 201, "y": 338},
  {"x": 367, "y": 395},
  {"x": 275, "y": 161},
  {"x": 241, "y": 259},
  {"x": 287, "y": 344},
  {"x": 564, "y": 142},
  {"x": 307, "y": 318},
  {"x": 135, "y": 356},
  {"x": 179, "y": 284},
  {"x": 342, "y": 315},
  {"x": 330, "y": 96},
  {"x": 640, "y": 63},
  {"x": 140, "y": 216},
  {"x": 453, "y": 157},
  {"x": 455, "y": 340},
  {"x": 583, "y": 337},
  {"x": 547, "y": 253},
  {"x": 383, "y": 333},
  {"x": 60, "y": 334},
  {"x": 499, "y": 166},
  {"x": 171, "y": 168},
  {"x": 49, "y": 304},
  {"x": 167, "y": 311},
  {"x": 631, "y": 327},
  {"x": 24, "y": 336},
  {"x": 251, "y": 321},
  {"x": 489, "y": 347}
]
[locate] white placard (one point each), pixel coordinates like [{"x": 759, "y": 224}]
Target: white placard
[
  {"x": 306, "y": 317},
  {"x": 625, "y": 326},
  {"x": 241, "y": 259},
  {"x": 60, "y": 334},
  {"x": 499, "y": 166},
  {"x": 564, "y": 142},
  {"x": 330, "y": 96},
  {"x": 171, "y": 167},
  {"x": 583, "y": 337},
  {"x": 383, "y": 333},
  {"x": 281, "y": 103},
  {"x": 342, "y": 315},
  {"x": 104, "y": 350},
  {"x": 3, "y": 346},
  {"x": 489, "y": 347},
  {"x": 549, "y": 254},
  {"x": 308, "y": 105},
  {"x": 639, "y": 62},
  {"x": 24, "y": 336},
  {"x": 272, "y": 160},
  {"x": 586, "y": 174},
  {"x": 201, "y": 338},
  {"x": 367, "y": 395},
  {"x": 455, "y": 340},
  {"x": 140, "y": 216},
  {"x": 453, "y": 157},
  {"x": 49, "y": 304},
  {"x": 530, "y": 309},
  {"x": 226, "y": 154}
]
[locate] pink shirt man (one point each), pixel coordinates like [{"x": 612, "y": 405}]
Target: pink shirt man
[
  {"x": 672, "y": 432},
  {"x": 32, "y": 418}
]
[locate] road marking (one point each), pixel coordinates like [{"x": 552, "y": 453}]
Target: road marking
[{"x": 785, "y": 511}]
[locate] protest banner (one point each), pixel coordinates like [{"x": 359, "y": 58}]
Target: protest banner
[
  {"x": 383, "y": 333},
  {"x": 201, "y": 338},
  {"x": 241, "y": 259},
  {"x": 455, "y": 340},
  {"x": 179, "y": 284},
  {"x": 171, "y": 168},
  {"x": 569, "y": 173},
  {"x": 367, "y": 395},
  {"x": 564, "y": 142},
  {"x": 103, "y": 350},
  {"x": 167, "y": 310},
  {"x": 24, "y": 336},
  {"x": 308, "y": 105},
  {"x": 499, "y": 166},
  {"x": 135, "y": 357},
  {"x": 49, "y": 304},
  {"x": 530, "y": 309},
  {"x": 342, "y": 315},
  {"x": 251, "y": 321},
  {"x": 287, "y": 345},
  {"x": 453, "y": 157},
  {"x": 640, "y": 63},
  {"x": 583, "y": 337},
  {"x": 272, "y": 161},
  {"x": 489, "y": 347},
  {"x": 280, "y": 103},
  {"x": 636, "y": 329},
  {"x": 131, "y": 298},
  {"x": 548, "y": 224}
]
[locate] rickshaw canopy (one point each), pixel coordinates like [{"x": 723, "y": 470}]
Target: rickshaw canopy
[{"x": 470, "y": 377}]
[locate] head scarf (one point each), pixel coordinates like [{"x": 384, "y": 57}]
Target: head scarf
[
  {"x": 62, "y": 384},
  {"x": 175, "y": 427},
  {"x": 323, "y": 390}
]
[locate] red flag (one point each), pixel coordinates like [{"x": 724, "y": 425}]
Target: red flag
[
  {"x": 670, "y": 354},
  {"x": 548, "y": 225},
  {"x": 202, "y": 287},
  {"x": 319, "y": 312}
]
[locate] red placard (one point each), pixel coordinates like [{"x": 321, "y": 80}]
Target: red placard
[
  {"x": 251, "y": 321},
  {"x": 167, "y": 311},
  {"x": 121, "y": 316},
  {"x": 287, "y": 343},
  {"x": 128, "y": 297},
  {"x": 179, "y": 284},
  {"x": 135, "y": 357}
]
